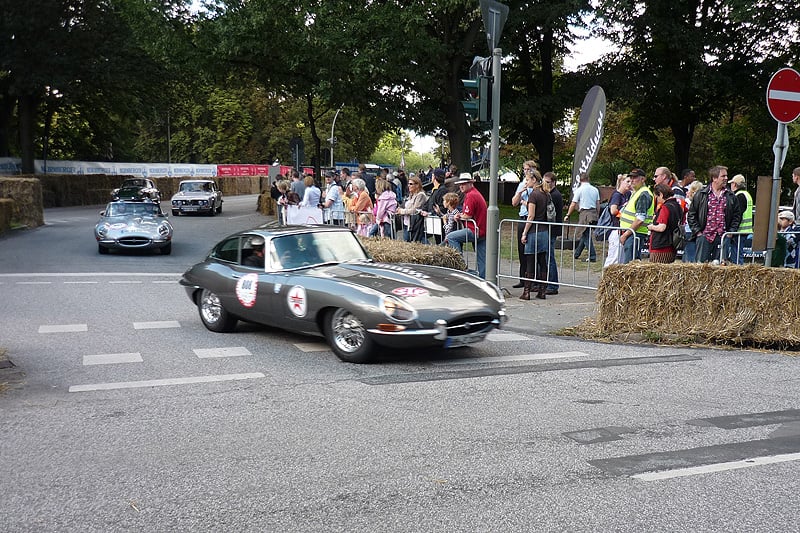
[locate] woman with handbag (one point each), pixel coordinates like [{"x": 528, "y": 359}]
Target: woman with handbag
[{"x": 667, "y": 219}]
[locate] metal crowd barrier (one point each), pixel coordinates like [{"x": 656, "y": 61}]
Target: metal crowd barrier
[
  {"x": 572, "y": 271},
  {"x": 728, "y": 245}
]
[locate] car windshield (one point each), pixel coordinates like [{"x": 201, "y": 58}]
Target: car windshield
[
  {"x": 307, "y": 249},
  {"x": 195, "y": 186},
  {"x": 124, "y": 209}
]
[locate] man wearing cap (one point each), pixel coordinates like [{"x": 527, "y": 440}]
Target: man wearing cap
[
  {"x": 713, "y": 212},
  {"x": 635, "y": 217},
  {"x": 789, "y": 230},
  {"x": 256, "y": 258},
  {"x": 473, "y": 215},
  {"x": 745, "y": 205}
]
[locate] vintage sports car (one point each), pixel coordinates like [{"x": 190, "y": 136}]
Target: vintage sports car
[
  {"x": 126, "y": 225},
  {"x": 320, "y": 280},
  {"x": 197, "y": 196},
  {"x": 137, "y": 189}
]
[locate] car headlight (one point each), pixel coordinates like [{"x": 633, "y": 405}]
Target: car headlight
[
  {"x": 102, "y": 230},
  {"x": 397, "y": 309},
  {"x": 493, "y": 290}
]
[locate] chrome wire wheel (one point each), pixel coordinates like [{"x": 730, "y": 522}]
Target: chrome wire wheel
[
  {"x": 210, "y": 307},
  {"x": 347, "y": 331},
  {"x": 213, "y": 314}
]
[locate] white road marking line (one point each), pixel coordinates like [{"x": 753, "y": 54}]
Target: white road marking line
[
  {"x": 157, "y": 324},
  {"x": 718, "y": 467},
  {"x": 112, "y": 358},
  {"x": 511, "y": 358},
  {"x": 170, "y": 282},
  {"x": 80, "y": 282},
  {"x": 504, "y": 336},
  {"x": 34, "y": 282},
  {"x": 312, "y": 347},
  {"x": 64, "y": 328},
  {"x": 237, "y": 351},
  {"x": 164, "y": 382},
  {"x": 125, "y": 282}
]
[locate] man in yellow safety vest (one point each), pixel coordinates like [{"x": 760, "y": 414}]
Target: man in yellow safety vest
[
  {"x": 745, "y": 202},
  {"x": 635, "y": 217}
]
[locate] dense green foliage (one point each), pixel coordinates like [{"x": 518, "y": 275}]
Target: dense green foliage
[{"x": 151, "y": 80}]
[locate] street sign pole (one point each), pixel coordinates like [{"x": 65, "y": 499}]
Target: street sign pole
[
  {"x": 783, "y": 103},
  {"x": 779, "y": 149},
  {"x": 493, "y": 212},
  {"x": 494, "y": 18}
]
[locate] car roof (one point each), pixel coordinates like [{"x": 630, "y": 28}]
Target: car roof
[
  {"x": 271, "y": 230},
  {"x": 197, "y": 181}
]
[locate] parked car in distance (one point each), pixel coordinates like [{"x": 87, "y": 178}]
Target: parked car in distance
[
  {"x": 319, "y": 280},
  {"x": 197, "y": 196},
  {"x": 128, "y": 225},
  {"x": 137, "y": 189}
]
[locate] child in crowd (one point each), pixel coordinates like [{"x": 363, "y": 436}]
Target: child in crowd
[
  {"x": 364, "y": 224},
  {"x": 450, "y": 201}
]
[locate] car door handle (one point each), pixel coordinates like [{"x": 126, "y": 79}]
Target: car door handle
[{"x": 236, "y": 276}]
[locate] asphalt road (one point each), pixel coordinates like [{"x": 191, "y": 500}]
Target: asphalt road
[{"x": 129, "y": 415}]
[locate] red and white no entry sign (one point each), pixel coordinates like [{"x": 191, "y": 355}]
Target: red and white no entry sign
[{"x": 783, "y": 95}]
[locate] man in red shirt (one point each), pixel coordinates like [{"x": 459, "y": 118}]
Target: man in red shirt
[{"x": 473, "y": 217}]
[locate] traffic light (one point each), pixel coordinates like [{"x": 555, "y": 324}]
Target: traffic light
[{"x": 478, "y": 98}]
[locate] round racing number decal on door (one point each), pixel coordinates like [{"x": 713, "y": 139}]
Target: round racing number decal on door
[
  {"x": 246, "y": 290},
  {"x": 296, "y": 298}
]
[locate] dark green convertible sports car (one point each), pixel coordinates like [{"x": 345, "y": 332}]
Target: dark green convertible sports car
[{"x": 320, "y": 280}]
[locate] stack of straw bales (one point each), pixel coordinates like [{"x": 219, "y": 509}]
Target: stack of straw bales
[
  {"x": 743, "y": 305},
  {"x": 394, "y": 251}
]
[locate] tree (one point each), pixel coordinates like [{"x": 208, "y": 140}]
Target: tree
[
  {"x": 83, "y": 51},
  {"x": 682, "y": 63},
  {"x": 534, "y": 97}
]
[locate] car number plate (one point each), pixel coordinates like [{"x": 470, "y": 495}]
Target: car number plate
[
  {"x": 190, "y": 208},
  {"x": 464, "y": 340}
]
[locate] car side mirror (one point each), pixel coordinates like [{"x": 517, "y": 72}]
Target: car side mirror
[{"x": 102, "y": 213}]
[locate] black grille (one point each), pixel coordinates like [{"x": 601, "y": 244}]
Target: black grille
[
  {"x": 134, "y": 241},
  {"x": 467, "y": 325}
]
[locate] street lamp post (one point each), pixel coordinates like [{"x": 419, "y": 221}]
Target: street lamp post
[{"x": 333, "y": 139}]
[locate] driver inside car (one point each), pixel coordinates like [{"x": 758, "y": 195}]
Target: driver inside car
[{"x": 256, "y": 257}]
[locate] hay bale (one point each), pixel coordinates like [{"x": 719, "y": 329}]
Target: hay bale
[
  {"x": 744, "y": 305},
  {"x": 393, "y": 251},
  {"x": 26, "y": 193}
]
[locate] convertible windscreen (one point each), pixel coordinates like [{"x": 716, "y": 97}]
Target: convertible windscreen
[
  {"x": 115, "y": 210},
  {"x": 296, "y": 251}
]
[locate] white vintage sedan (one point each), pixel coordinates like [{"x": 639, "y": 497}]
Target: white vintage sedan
[{"x": 197, "y": 196}]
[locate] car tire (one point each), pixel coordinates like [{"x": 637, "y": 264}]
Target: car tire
[
  {"x": 219, "y": 209},
  {"x": 348, "y": 336},
  {"x": 212, "y": 211},
  {"x": 213, "y": 314},
  {"x": 166, "y": 250},
  {"x": 176, "y": 213},
  {"x": 102, "y": 250}
]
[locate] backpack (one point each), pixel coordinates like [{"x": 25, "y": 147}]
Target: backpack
[
  {"x": 551, "y": 209},
  {"x": 678, "y": 234},
  {"x": 605, "y": 219},
  {"x": 678, "y": 238}
]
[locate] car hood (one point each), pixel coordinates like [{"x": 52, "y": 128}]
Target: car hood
[
  {"x": 132, "y": 223},
  {"x": 418, "y": 283},
  {"x": 192, "y": 194}
]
